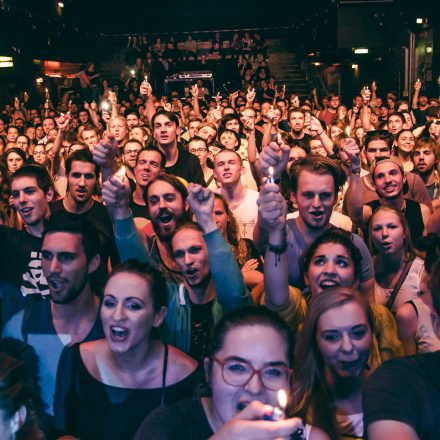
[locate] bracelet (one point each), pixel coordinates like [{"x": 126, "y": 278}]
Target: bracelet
[
  {"x": 319, "y": 134},
  {"x": 278, "y": 249}
]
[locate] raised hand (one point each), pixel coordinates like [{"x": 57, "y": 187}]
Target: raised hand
[
  {"x": 116, "y": 196},
  {"x": 63, "y": 122},
  {"x": 374, "y": 86},
  {"x": 250, "y": 95},
  {"x": 418, "y": 85},
  {"x": 86, "y": 105},
  {"x": 93, "y": 106},
  {"x": 249, "y": 425},
  {"x": 275, "y": 156},
  {"x": 351, "y": 149},
  {"x": 112, "y": 97},
  {"x": 366, "y": 94},
  {"x": 201, "y": 202},
  {"x": 146, "y": 89},
  {"x": 105, "y": 151},
  {"x": 194, "y": 91},
  {"x": 272, "y": 207},
  {"x": 271, "y": 114},
  {"x": 315, "y": 125}
]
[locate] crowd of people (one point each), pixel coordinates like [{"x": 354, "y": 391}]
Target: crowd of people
[{"x": 251, "y": 266}]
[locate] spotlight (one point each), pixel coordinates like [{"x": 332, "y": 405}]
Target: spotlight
[
  {"x": 361, "y": 51},
  {"x": 39, "y": 80},
  {"x": 419, "y": 20},
  {"x": 60, "y": 4}
]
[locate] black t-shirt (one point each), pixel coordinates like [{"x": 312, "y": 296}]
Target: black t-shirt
[
  {"x": 20, "y": 263},
  {"x": 182, "y": 420},
  {"x": 406, "y": 390},
  {"x": 98, "y": 216},
  {"x": 202, "y": 323},
  {"x": 188, "y": 167},
  {"x": 303, "y": 142}
]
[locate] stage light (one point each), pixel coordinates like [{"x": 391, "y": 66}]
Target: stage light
[
  {"x": 419, "y": 20},
  {"x": 361, "y": 51},
  {"x": 39, "y": 80},
  {"x": 60, "y": 4},
  {"x": 428, "y": 49},
  {"x": 6, "y": 64},
  {"x": 355, "y": 66},
  {"x": 3, "y": 59}
]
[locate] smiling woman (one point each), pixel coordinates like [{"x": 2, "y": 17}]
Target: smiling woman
[{"x": 129, "y": 373}]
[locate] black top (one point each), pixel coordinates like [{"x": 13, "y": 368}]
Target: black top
[
  {"x": 406, "y": 390},
  {"x": 20, "y": 261},
  {"x": 188, "y": 167},
  {"x": 184, "y": 420},
  {"x": 90, "y": 409}
]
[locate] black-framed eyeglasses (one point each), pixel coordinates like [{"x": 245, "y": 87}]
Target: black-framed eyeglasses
[
  {"x": 197, "y": 150},
  {"x": 239, "y": 373}
]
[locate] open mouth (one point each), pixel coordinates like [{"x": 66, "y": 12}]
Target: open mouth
[
  {"x": 56, "y": 284},
  {"x": 165, "y": 218},
  {"x": 26, "y": 211},
  {"x": 118, "y": 333},
  {"x": 317, "y": 214},
  {"x": 327, "y": 284}
]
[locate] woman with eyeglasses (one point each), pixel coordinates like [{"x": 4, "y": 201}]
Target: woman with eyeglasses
[{"x": 250, "y": 361}]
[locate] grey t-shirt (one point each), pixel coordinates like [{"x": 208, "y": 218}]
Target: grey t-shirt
[{"x": 296, "y": 245}]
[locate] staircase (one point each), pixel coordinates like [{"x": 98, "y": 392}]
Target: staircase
[{"x": 286, "y": 68}]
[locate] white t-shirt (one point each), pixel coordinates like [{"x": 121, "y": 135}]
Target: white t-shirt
[{"x": 246, "y": 214}]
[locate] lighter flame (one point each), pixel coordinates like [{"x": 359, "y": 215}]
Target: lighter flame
[
  {"x": 347, "y": 130},
  {"x": 279, "y": 138},
  {"x": 146, "y": 78},
  {"x": 282, "y": 399},
  {"x": 270, "y": 171}
]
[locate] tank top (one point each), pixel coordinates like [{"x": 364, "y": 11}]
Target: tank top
[{"x": 427, "y": 339}]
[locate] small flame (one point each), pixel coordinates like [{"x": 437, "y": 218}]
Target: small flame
[
  {"x": 347, "y": 130},
  {"x": 282, "y": 399},
  {"x": 146, "y": 78},
  {"x": 270, "y": 171},
  {"x": 279, "y": 138}
]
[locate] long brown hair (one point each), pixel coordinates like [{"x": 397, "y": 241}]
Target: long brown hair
[{"x": 312, "y": 398}]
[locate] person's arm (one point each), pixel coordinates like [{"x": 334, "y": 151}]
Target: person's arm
[
  {"x": 57, "y": 158},
  {"x": 195, "y": 101},
  {"x": 354, "y": 191},
  {"x": 115, "y": 193},
  {"x": 415, "y": 98},
  {"x": 315, "y": 100},
  {"x": 426, "y": 215},
  {"x": 114, "y": 103},
  {"x": 104, "y": 154},
  {"x": 391, "y": 429},
  {"x": 407, "y": 322},
  {"x": 275, "y": 156},
  {"x": 250, "y": 97},
  {"x": 268, "y": 127},
  {"x": 327, "y": 143},
  {"x": 365, "y": 116},
  {"x": 147, "y": 91},
  {"x": 252, "y": 157},
  {"x": 228, "y": 279},
  {"x": 272, "y": 209},
  {"x": 94, "y": 115}
]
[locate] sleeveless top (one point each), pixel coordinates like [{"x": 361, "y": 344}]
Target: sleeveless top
[
  {"x": 426, "y": 338},
  {"x": 94, "y": 410},
  {"x": 409, "y": 290},
  {"x": 350, "y": 426},
  {"x": 413, "y": 215}
]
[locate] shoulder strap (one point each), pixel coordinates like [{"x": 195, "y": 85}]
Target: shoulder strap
[
  {"x": 164, "y": 375},
  {"x": 399, "y": 283}
]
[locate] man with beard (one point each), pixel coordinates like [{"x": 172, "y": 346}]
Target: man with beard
[
  {"x": 388, "y": 177},
  {"x": 314, "y": 184},
  {"x": 69, "y": 256},
  {"x": 167, "y": 208},
  {"x": 130, "y": 152},
  {"x": 296, "y": 134},
  {"x": 378, "y": 144},
  {"x": 425, "y": 158},
  {"x": 149, "y": 164},
  {"x": 82, "y": 176},
  {"x": 330, "y": 113},
  {"x": 211, "y": 282}
]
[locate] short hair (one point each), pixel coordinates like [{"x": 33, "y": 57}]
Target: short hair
[
  {"x": 296, "y": 110},
  {"x": 170, "y": 115},
  {"x": 398, "y": 114},
  {"x": 131, "y": 111},
  {"x": 197, "y": 139},
  {"x": 90, "y": 128},
  {"x": 74, "y": 224},
  {"x": 379, "y": 135},
  {"x": 225, "y": 150},
  {"x": 320, "y": 165},
  {"x": 83, "y": 155},
  {"x": 13, "y": 126},
  {"x": 154, "y": 278},
  {"x": 163, "y": 159},
  {"x": 15, "y": 150},
  {"x": 39, "y": 173},
  {"x": 135, "y": 141}
]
